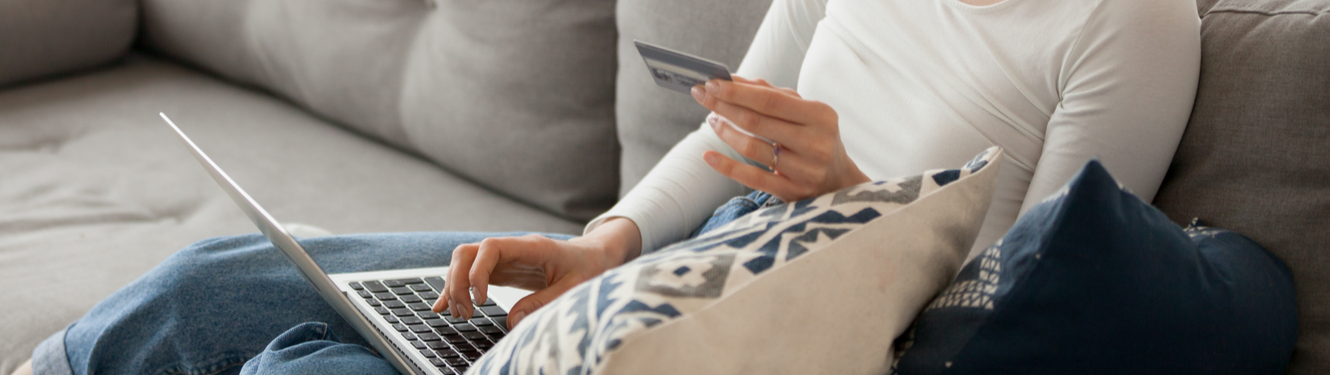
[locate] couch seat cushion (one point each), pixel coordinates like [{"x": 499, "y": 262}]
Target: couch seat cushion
[{"x": 96, "y": 188}]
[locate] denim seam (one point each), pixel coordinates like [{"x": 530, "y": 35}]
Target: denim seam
[
  {"x": 217, "y": 366},
  {"x": 735, "y": 202}
]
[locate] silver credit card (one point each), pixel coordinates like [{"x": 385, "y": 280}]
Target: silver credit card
[{"x": 679, "y": 71}]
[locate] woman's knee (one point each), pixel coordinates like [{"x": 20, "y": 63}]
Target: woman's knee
[{"x": 209, "y": 259}]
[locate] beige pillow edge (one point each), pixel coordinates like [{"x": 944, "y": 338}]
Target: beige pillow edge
[{"x": 641, "y": 351}]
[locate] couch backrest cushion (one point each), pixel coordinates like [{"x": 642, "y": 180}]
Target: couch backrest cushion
[
  {"x": 516, "y": 95},
  {"x": 41, "y": 38},
  {"x": 1256, "y": 155},
  {"x": 652, "y": 119}
]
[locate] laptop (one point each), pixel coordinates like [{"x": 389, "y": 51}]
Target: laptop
[{"x": 390, "y": 309}]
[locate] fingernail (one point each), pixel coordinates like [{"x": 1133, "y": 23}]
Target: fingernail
[
  {"x": 713, "y": 86},
  {"x": 699, "y": 93},
  {"x": 715, "y": 124},
  {"x": 710, "y": 158},
  {"x": 515, "y": 318},
  {"x": 475, "y": 299}
]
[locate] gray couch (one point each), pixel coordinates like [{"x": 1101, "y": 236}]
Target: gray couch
[{"x": 501, "y": 115}]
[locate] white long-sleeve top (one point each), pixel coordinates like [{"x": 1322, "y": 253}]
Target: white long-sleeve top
[{"x": 927, "y": 84}]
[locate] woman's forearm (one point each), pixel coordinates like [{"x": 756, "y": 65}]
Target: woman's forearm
[{"x": 619, "y": 237}]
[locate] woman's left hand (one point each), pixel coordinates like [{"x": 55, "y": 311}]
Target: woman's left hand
[{"x": 810, "y": 159}]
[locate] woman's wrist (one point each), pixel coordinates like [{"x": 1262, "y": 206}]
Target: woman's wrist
[{"x": 618, "y": 238}]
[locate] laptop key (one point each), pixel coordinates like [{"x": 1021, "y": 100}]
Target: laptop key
[
  {"x": 409, "y": 298},
  {"x": 464, "y": 327},
  {"x": 460, "y": 369},
  {"x": 455, "y": 339},
  {"x": 373, "y": 302},
  {"x": 418, "y": 344},
  {"x": 493, "y": 311},
  {"x": 428, "y": 295},
  {"x": 428, "y": 337},
  {"x": 438, "y": 363},
  {"x": 471, "y": 355},
  {"x": 420, "y": 328},
  {"x": 427, "y": 314},
  {"x": 472, "y": 336},
  {"x": 394, "y": 304},
  {"x": 411, "y": 320},
  {"x": 489, "y": 302},
  {"x": 385, "y": 296},
  {"x": 501, "y": 321},
  {"x": 445, "y": 330},
  {"x": 453, "y": 320},
  {"x": 436, "y": 323},
  {"x": 447, "y": 352},
  {"x": 455, "y": 362},
  {"x": 420, "y": 288},
  {"x": 491, "y": 330},
  {"x": 481, "y": 322},
  {"x": 419, "y": 306},
  {"x": 402, "y": 290},
  {"x": 409, "y": 335},
  {"x": 435, "y": 282},
  {"x": 375, "y": 286},
  {"x": 382, "y": 310},
  {"x": 403, "y": 312},
  {"x": 365, "y": 294},
  {"x": 400, "y": 327},
  {"x": 483, "y": 344},
  {"x": 393, "y": 283},
  {"x": 390, "y": 319},
  {"x": 427, "y": 353},
  {"x": 356, "y": 285},
  {"x": 496, "y": 336}
]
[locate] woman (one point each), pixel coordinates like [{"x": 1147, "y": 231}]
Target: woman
[{"x": 880, "y": 89}]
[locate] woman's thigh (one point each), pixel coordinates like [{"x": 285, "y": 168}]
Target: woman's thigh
[{"x": 220, "y": 301}]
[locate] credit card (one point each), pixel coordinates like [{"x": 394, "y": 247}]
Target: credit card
[{"x": 679, "y": 71}]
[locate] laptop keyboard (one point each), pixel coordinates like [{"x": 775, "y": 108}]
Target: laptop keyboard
[{"x": 451, "y": 344}]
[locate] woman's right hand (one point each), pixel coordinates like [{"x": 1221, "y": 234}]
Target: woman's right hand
[{"x": 547, "y": 266}]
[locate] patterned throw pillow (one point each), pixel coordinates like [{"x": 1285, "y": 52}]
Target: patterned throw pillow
[
  {"x": 1095, "y": 281},
  {"x": 817, "y": 286}
]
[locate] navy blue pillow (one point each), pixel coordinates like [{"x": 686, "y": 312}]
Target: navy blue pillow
[{"x": 1095, "y": 281}]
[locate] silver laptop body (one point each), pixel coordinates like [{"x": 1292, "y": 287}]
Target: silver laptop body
[{"x": 363, "y": 298}]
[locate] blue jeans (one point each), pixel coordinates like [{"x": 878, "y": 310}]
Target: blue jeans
[{"x": 236, "y": 305}]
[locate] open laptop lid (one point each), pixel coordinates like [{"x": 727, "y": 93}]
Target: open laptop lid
[{"x": 308, "y": 268}]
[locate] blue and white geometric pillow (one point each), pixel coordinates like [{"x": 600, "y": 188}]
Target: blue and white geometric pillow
[
  {"x": 821, "y": 285},
  {"x": 1094, "y": 280}
]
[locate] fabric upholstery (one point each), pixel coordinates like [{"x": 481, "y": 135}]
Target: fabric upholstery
[
  {"x": 1254, "y": 156},
  {"x": 1095, "y": 281},
  {"x": 652, "y": 119},
  {"x": 41, "y": 38},
  {"x": 516, "y": 95},
  {"x": 761, "y": 295},
  {"x": 96, "y": 189}
]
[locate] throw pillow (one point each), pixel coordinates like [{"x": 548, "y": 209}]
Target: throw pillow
[
  {"x": 1095, "y": 281},
  {"x": 817, "y": 286}
]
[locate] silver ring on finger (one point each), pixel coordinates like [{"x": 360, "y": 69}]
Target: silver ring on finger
[{"x": 775, "y": 156}]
